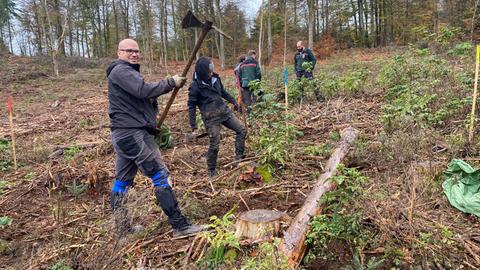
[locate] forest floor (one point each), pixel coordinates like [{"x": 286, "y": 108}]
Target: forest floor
[{"x": 58, "y": 198}]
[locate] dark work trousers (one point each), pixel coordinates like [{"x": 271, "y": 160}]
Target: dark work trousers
[
  {"x": 248, "y": 98},
  {"x": 136, "y": 149},
  {"x": 214, "y": 135}
]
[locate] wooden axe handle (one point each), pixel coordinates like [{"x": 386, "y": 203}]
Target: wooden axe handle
[{"x": 206, "y": 27}]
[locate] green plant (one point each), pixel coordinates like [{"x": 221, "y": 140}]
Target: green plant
[
  {"x": 340, "y": 221},
  {"x": 424, "y": 239},
  {"x": 256, "y": 86},
  {"x": 70, "y": 152},
  {"x": 5, "y": 162},
  {"x": 85, "y": 123},
  {"x": 274, "y": 135},
  {"x": 359, "y": 264},
  {"x": 353, "y": 80},
  {"x": 77, "y": 189},
  {"x": 462, "y": 49},
  {"x": 4, "y": 144},
  {"x": 447, "y": 34},
  {"x": 223, "y": 241},
  {"x": 267, "y": 258},
  {"x": 418, "y": 91},
  {"x": 4, "y": 184},
  {"x": 307, "y": 66},
  {"x": 29, "y": 176},
  {"x": 5, "y": 221},
  {"x": 335, "y": 136},
  {"x": 323, "y": 150},
  {"x": 60, "y": 265}
]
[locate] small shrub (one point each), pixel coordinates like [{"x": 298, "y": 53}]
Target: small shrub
[
  {"x": 5, "y": 221},
  {"x": 267, "y": 258},
  {"x": 462, "y": 49},
  {"x": 60, "y": 265},
  {"x": 77, "y": 189},
  {"x": 223, "y": 242},
  {"x": 340, "y": 221},
  {"x": 70, "y": 152}
]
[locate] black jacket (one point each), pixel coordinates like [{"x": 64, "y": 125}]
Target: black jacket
[
  {"x": 209, "y": 99},
  {"x": 207, "y": 94},
  {"x": 132, "y": 102}
]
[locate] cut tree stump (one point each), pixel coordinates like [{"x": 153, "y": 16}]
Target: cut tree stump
[
  {"x": 293, "y": 242},
  {"x": 257, "y": 225}
]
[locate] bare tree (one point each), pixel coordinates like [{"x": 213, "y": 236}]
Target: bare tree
[{"x": 55, "y": 40}]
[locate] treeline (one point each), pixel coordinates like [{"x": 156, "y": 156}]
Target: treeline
[{"x": 92, "y": 28}]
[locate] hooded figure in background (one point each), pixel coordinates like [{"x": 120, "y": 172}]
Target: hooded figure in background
[{"x": 207, "y": 93}]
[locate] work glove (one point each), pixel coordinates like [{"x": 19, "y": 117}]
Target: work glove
[{"x": 177, "y": 81}]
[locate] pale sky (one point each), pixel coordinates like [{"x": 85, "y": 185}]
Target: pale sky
[{"x": 250, "y": 7}]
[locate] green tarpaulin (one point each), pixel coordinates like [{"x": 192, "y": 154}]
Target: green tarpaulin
[{"x": 462, "y": 186}]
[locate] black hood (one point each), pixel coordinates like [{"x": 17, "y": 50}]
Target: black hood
[
  {"x": 202, "y": 68},
  {"x": 119, "y": 62}
]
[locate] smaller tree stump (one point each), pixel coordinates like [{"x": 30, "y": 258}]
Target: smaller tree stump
[{"x": 257, "y": 225}]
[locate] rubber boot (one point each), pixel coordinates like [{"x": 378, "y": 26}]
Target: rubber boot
[{"x": 167, "y": 200}]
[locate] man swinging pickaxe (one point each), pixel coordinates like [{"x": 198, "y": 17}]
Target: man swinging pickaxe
[{"x": 191, "y": 21}]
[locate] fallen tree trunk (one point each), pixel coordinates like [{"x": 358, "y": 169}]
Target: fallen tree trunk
[{"x": 293, "y": 242}]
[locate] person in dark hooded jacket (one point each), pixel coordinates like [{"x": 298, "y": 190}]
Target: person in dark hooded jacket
[
  {"x": 133, "y": 111},
  {"x": 207, "y": 93}
]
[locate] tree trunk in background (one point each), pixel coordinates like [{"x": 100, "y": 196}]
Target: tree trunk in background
[
  {"x": 165, "y": 33},
  {"x": 360, "y": 22},
  {"x": 269, "y": 32},
  {"x": 195, "y": 6},
  {"x": 10, "y": 36},
  {"x": 260, "y": 36},
  {"x": 58, "y": 26},
  {"x": 354, "y": 8},
  {"x": 222, "y": 42},
  {"x": 294, "y": 12},
  {"x": 317, "y": 20},
  {"x": 473, "y": 20},
  {"x": 377, "y": 24},
  {"x": 365, "y": 12},
  {"x": 327, "y": 15},
  {"x": 311, "y": 18},
  {"x": 115, "y": 20},
  {"x": 175, "y": 30}
]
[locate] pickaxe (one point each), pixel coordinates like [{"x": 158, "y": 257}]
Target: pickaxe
[{"x": 191, "y": 21}]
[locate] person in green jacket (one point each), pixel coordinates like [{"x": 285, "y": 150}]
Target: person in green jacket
[
  {"x": 249, "y": 71},
  {"x": 305, "y": 62}
]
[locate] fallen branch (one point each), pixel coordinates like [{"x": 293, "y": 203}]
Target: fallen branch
[{"x": 293, "y": 242}]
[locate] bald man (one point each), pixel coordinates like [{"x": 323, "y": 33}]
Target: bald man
[
  {"x": 305, "y": 62},
  {"x": 133, "y": 109}
]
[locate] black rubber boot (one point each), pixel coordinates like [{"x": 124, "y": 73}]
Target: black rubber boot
[{"x": 167, "y": 200}]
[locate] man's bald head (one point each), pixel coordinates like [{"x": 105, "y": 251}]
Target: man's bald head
[
  {"x": 300, "y": 45},
  {"x": 128, "y": 51}
]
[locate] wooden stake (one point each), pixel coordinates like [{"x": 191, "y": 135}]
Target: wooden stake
[
  {"x": 10, "y": 113},
  {"x": 474, "y": 103},
  {"x": 285, "y": 73}
]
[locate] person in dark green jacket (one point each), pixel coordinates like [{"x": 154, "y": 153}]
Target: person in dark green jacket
[
  {"x": 305, "y": 62},
  {"x": 249, "y": 71}
]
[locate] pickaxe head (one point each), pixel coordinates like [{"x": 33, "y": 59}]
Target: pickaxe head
[{"x": 191, "y": 21}]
